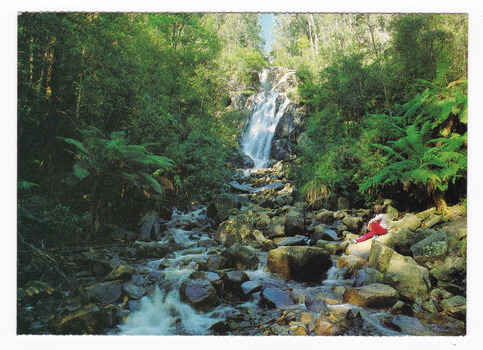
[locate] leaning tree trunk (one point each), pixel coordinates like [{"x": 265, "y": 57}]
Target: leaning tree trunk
[{"x": 440, "y": 203}]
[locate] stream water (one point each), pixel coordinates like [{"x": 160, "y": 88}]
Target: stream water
[{"x": 163, "y": 313}]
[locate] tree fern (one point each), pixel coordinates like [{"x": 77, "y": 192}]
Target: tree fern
[{"x": 113, "y": 160}]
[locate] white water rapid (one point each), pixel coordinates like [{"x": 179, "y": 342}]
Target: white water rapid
[{"x": 268, "y": 107}]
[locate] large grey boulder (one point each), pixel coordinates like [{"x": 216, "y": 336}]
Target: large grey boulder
[
  {"x": 272, "y": 298},
  {"x": 104, "y": 293},
  {"x": 455, "y": 306},
  {"x": 323, "y": 232},
  {"x": 88, "y": 320},
  {"x": 402, "y": 273},
  {"x": 290, "y": 241},
  {"x": 200, "y": 294},
  {"x": 154, "y": 250},
  {"x": 299, "y": 263},
  {"x": 373, "y": 295},
  {"x": 276, "y": 227},
  {"x": 325, "y": 216},
  {"x": 235, "y": 230},
  {"x": 240, "y": 257},
  {"x": 353, "y": 223},
  {"x": 402, "y": 241},
  {"x": 409, "y": 222},
  {"x": 232, "y": 284},
  {"x": 294, "y": 223},
  {"x": 432, "y": 248}
]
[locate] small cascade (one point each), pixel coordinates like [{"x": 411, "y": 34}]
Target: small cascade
[
  {"x": 165, "y": 314},
  {"x": 269, "y": 107}
]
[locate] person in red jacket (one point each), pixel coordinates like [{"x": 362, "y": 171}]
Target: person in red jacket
[{"x": 377, "y": 226}]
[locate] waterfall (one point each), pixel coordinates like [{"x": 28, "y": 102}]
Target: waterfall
[{"x": 269, "y": 107}]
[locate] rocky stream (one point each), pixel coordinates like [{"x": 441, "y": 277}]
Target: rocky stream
[{"x": 258, "y": 261}]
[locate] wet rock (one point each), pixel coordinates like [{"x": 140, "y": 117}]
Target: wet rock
[
  {"x": 315, "y": 303},
  {"x": 221, "y": 327},
  {"x": 455, "y": 306},
  {"x": 277, "y": 329},
  {"x": 281, "y": 149},
  {"x": 299, "y": 263},
  {"x": 440, "y": 294},
  {"x": 200, "y": 294},
  {"x": 89, "y": 320},
  {"x": 122, "y": 272},
  {"x": 423, "y": 215},
  {"x": 38, "y": 291},
  {"x": 294, "y": 223},
  {"x": 215, "y": 262},
  {"x": 259, "y": 237},
  {"x": 322, "y": 232},
  {"x": 276, "y": 227},
  {"x": 326, "y": 328},
  {"x": 240, "y": 257},
  {"x": 361, "y": 249},
  {"x": 104, "y": 293},
  {"x": 268, "y": 245},
  {"x": 367, "y": 275},
  {"x": 290, "y": 241},
  {"x": 406, "y": 325},
  {"x": 402, "y": 241},
  {"x": 232, "y": 284},
  {"x": 391, "y": 212},
  {"x": 250, "y": 287},
  {"x": 325, "y": 216},
  {"x": 373, "y": 296},
  {"x": 429, "y": 306},
  {"x": 401, "y": 308},
  {"x": 262, "y": 221},
  {"x": 452, "y": 288},
  {"x": 207, "y": 243},
  {"x": 353, "y": 223},
  {"x": 351, "y": 263},
  {"x": 338, "y": 227},
  {"x": 273, "y": 298},
  {"x": 433, "y": 221},
  {"x": 134, "y": 291},
  {"x": 218, "y": 209},
  {"x": 299, "y": 329},
  {"x": 332, "y": 248},
  {"x": 409, "y": 222},
  {"x": 151, "y": 250},
  {"x": 402, "y": 273},
  {"x": 434, "y": 247}
]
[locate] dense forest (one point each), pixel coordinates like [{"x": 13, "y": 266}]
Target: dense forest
[{"x": 120, "y": 114}]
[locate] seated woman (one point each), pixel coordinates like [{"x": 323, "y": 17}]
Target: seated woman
[{"x": 377, "y": 226}]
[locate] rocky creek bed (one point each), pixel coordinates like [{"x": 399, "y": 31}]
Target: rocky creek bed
[{"x": 257, "y": 263}]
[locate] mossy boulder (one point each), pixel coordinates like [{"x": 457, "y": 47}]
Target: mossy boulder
[{"x": 299, "y": 263}]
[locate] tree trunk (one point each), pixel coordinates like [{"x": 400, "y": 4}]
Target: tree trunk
[
  {"x": 381, "y": 74},
  {"x": 440, "y": 203}
]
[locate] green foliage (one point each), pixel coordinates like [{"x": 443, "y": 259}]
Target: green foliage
[
  {"x": 44, "y": 221},
  {"x": 420, "y": 162},
  {"x": 386, "y": 101},
  {"x": 110, "y": 165},
  {"x": 161, "y": 78}
]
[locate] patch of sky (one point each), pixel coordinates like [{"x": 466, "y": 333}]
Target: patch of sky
[{"x": 267, "y": 22}]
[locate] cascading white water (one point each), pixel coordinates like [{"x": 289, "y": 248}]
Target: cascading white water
[{"x": 269, "y": 107}]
